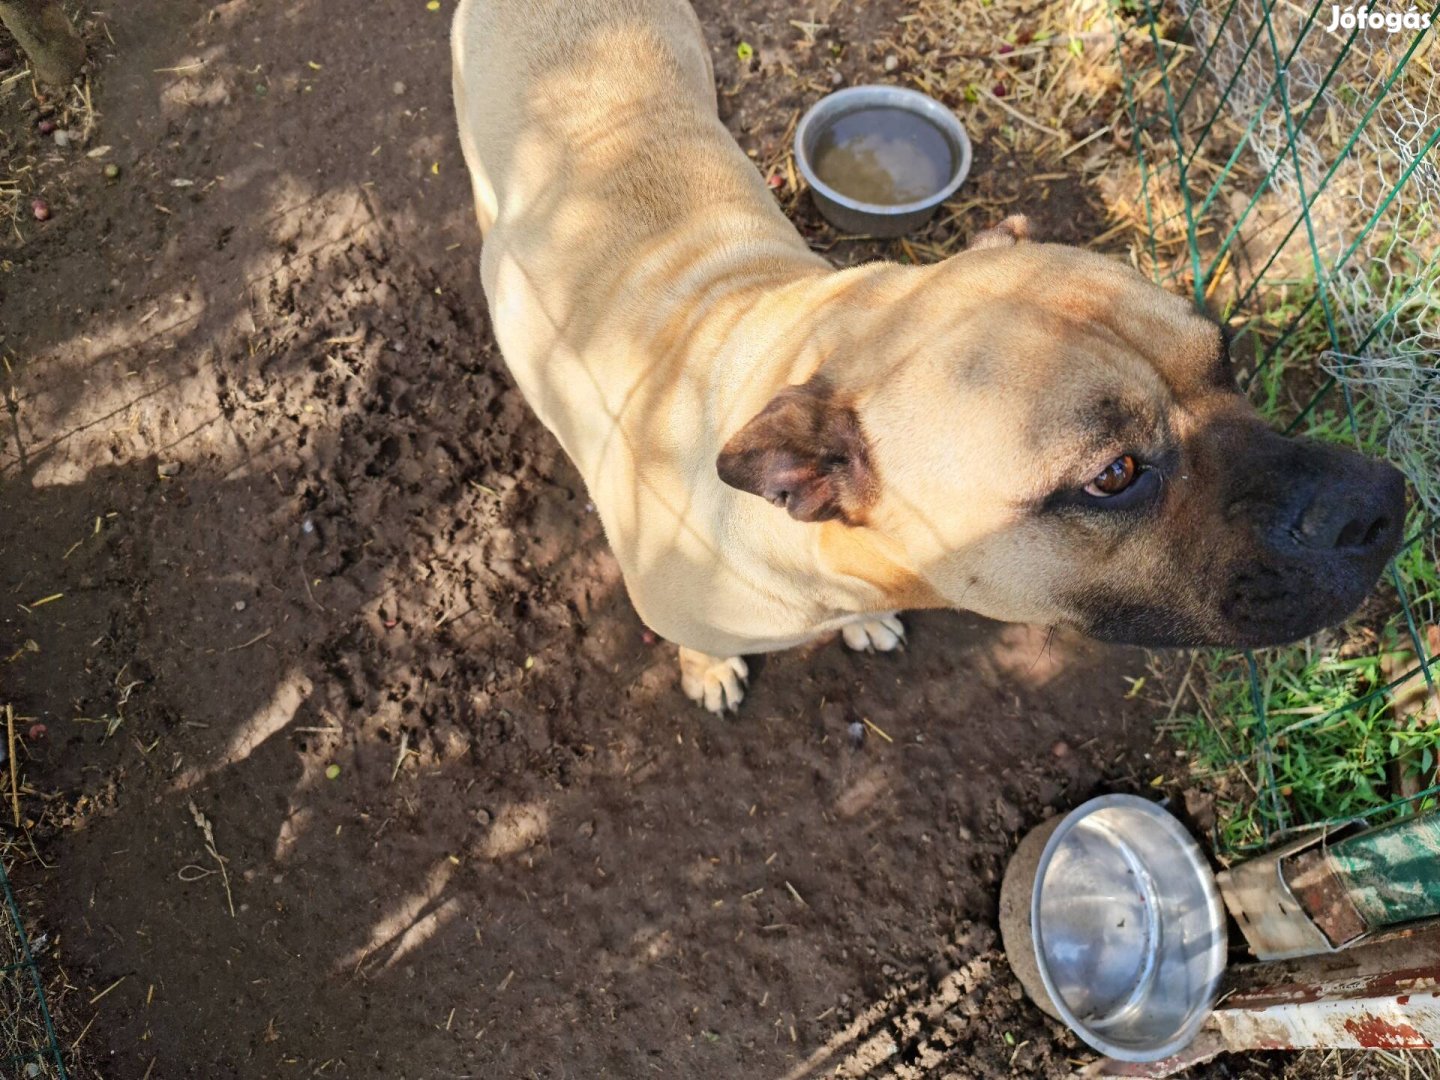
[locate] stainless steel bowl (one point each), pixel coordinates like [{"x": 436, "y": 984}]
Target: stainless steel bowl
[
  {"x": 1125, "y": 931},
  {"x": 876, "y": 219}
]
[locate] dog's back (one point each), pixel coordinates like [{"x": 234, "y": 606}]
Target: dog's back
[
  {"x": 571, "y": 74},
  {"x": 627, "y": 237}
]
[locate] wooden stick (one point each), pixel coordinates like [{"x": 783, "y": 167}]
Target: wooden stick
[
  {"x": 1018, "y": 115},
  {"x": 14, "y": 764}
]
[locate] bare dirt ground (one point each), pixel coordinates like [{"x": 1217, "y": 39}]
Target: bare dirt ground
[{"x": 261, "y": 444}]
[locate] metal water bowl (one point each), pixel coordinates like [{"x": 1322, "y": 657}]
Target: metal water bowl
[
  {"x": 1113, "y": 922},
  {"x": 853, "y": 215}
]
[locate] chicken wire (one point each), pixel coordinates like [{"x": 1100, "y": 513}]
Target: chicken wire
[
  {"x": 28, "y": 1046},
  {"x": 1287, "y": 175}
]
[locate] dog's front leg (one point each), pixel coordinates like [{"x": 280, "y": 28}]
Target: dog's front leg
[{"x": 717, "y": 682}]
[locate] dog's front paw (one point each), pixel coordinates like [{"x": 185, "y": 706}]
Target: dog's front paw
[
  {"x": 879, "y": 633},
  {"x": 717, "y": 682}
]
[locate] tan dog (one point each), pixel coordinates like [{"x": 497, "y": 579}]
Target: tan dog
[{"x": 779, "y": 450}]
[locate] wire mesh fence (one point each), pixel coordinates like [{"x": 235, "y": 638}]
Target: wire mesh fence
[
  {"x": 1286, "y": 172},
  {"x": 28, "y": 1046}
]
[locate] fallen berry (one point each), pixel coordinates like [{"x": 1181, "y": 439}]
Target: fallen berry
[
  {"x": 332, "y": 772},
  {"x": 37, "y": 731},
  {"x": 112, "y": 171},
  {"x": 999, "y": 90},
  {"x": 45, "y": 127},
  {"x": 41, "y": 209}
]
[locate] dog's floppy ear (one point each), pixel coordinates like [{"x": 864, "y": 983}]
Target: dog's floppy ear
[
  {"x": 1015, "y": 229},
  {"x": 804, "y": 451}
]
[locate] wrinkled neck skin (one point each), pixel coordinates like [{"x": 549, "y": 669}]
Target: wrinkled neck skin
[
  {"x": 785, "y": 333},
  {"x": 693, "y": 349}
]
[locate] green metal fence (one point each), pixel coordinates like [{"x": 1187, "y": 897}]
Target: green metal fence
[
  {"x": 28, "y": 1047},
  {"x": 1286, "y": 173}
]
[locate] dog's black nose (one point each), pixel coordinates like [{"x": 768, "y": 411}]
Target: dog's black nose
[{"x": 1355, "y": 516}]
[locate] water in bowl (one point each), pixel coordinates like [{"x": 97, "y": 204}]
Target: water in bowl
[{"x": 884, "y": 156}]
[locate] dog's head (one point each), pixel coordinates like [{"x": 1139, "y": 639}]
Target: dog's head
[{"x": 1038, "y": 434}]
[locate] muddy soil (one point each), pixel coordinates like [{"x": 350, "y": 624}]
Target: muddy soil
[{"x": 323, "y": 580}]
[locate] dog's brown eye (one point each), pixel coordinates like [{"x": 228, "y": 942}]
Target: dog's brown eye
[{"x": 1116, "y": 477}]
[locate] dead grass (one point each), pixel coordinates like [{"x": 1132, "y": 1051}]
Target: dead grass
[
  {"x": 1365, "y": 1065},
  {"x": 25, "y": 1036}
]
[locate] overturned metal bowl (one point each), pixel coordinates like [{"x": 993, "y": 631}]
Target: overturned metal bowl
[
  {"x": 854, "y": 215},
  {"x": 1113, "y": 923}
]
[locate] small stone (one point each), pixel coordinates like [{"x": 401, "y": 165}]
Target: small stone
[
  {"x": 112, "y": 171},
  {"x": 168, "y": 470},
  {"x": 836, "y": 78},
  {"x": 892, "y": 62},
  {"x": 398, "y": 88},
  {"x": 483, "y": 816},
  {"x": 62, "y": 137},
  {"x": 307, "y": 526},
  {"x": 856, "y": 734},
  {"x": 1017, "y": 993},
  {"x": 1060, "y": 749},
  {"x": 239, "y": 605},
  {"x": 587, "y": 830}
]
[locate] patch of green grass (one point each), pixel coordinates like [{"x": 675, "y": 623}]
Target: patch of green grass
[{"x": 1316, "y": 746}]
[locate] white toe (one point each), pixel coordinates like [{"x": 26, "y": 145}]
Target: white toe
[
  {"x": 883, "y": 633},
  {"x": 715, "y": 682}
]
